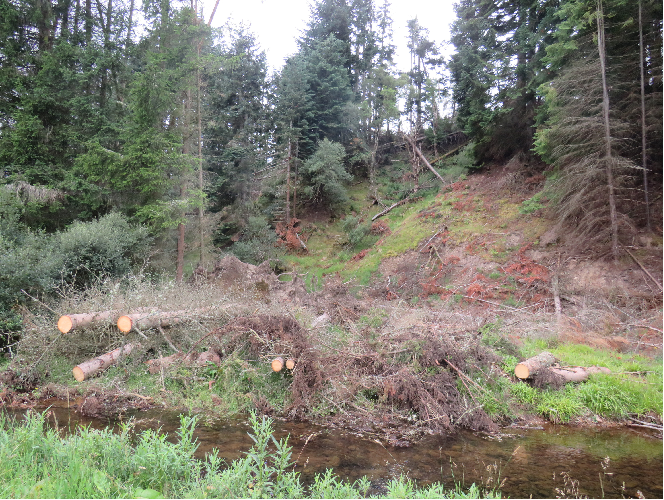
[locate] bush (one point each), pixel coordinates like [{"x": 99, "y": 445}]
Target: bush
[
  {"x": 258, "y": 242},
  {"x": 355, "y": 230},
  {"x": 87, "y": 251}
]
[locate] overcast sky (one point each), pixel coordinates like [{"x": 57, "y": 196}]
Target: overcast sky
[{"x": 278, "y": 23}]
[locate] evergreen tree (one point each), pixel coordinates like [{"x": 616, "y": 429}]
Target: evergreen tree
[
  {"x": 236, "y": 129},
  {"x": 496, "y": 70}
]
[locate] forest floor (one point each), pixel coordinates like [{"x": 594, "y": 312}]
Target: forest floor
[{"x": 414, "y": 330}]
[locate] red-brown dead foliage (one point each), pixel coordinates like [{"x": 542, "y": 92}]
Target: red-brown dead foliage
[
  {"x": 261, "y": 334},
  {"x": 288, "y": 235},
  {"x": 380, "y": 227},
  {"x": 360, "y": 255}
]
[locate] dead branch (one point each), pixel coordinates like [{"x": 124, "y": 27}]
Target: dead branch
[
  {"x": 643, "y": 269},
  {"x": 419, "y": 153}
]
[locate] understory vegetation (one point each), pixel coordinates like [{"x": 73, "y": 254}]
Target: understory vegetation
[{"x": 44, "y": 461}]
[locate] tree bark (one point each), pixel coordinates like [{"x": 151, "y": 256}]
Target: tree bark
[
  {"x": 533, "y": 365},
  {"x": 644, "y": 164},
  {"x": 607, "y": 132},
  {"x": 70, "y": 322},
  {"x": 93, "y": 366},
  {"x": 153, "y": 319},
  {"x": 578, "y": 373}
]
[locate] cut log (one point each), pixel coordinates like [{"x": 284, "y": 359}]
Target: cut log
[
  {"x": 290, "y": 363},
  {"x": 277, "y": 364},
  {"x": 577, "y": 373},
  {"x": 70, "y": 322},
  {"x": 93, "y": 366},
  {"x": 531, "y": 366},
  {"x": 153, "y": 319}
]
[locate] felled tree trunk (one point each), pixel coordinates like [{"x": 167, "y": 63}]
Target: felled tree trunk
[
  {"x": 277, "y": 364},
  {"x": 531, "y": 366},
  {"x": 70, "y": 322},
  {"x": 146, "y": 320},
  {"x": 93, "y": 366},
  {"x": 578, "y": 373}
]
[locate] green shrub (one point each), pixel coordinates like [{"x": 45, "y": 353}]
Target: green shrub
[
  {"x": 257, "y": 244},
  {"x": 355, "y": 230},
  {"x": 531, "y": 205}
]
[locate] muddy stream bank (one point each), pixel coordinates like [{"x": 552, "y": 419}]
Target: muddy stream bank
[{"x": 528, "y": 462}]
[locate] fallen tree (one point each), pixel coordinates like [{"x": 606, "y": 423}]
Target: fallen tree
[
  {"x": 543, "y": 363},
  {"x": 532, "y": 366},
  {"x": 151, "y": 319},
  {"x": 69, "y": 322},
  {"x": 577, "y": 373},
  {"x": 93, "y": 366},
  {"x": 419, "y": 153}
]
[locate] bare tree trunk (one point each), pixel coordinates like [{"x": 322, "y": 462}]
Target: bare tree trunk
[
  {"x": 129, "y": 23},
  {"x": 201, "y": 232},
  {"x": 288, "y": 170},
  {"x": 644, "y": 164},
  {"x": 607, "y": 132},
  {"x": 179, "y": 262}
]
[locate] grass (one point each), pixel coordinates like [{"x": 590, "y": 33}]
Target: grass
[
  {"x": 633, "y": 388},
  {"x": 40, "y": 461}
]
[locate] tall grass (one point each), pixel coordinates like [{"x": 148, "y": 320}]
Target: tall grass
[{"x": 39, "y": 461}]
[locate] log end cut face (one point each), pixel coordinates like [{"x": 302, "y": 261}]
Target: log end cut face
[
  {"x": 79, "y": 374},
  {"x": 125, "y": 324},
  {"x": 65, "y": 324}
]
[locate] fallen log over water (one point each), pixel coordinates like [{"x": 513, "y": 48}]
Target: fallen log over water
[{"x": 93, "y": 366}]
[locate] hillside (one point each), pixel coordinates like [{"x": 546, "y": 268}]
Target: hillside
[{"x": 415, "y": 320}]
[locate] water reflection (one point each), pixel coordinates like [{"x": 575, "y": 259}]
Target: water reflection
[{"x": 527, "y": 462}]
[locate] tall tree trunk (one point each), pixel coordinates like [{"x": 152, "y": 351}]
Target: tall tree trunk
[
  {"x": 644, "y": 164},
  {"x": 88, "y": 22},
  {"x": 607, "y": 132},
  {"x": 179, "y": 263},
  {"x": 201, "y": 232},
  {"x": 288, "y": 171},
  {"x": 129, "y": 22}
]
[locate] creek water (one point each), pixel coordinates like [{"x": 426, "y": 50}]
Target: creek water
[{"x": 528, "y": 462}]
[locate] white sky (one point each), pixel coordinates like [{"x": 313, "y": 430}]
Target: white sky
[{"x": 278, "y": 23}]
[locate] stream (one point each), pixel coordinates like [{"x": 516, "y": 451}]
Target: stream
[{"x": 528, "y": 462}]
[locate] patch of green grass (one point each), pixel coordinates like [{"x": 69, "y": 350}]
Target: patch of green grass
[
  {"x": 560, "y": 406},
  {"x": 633, "y": 387}
]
